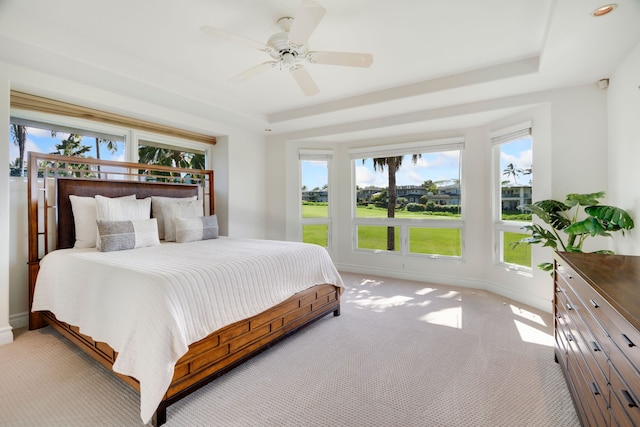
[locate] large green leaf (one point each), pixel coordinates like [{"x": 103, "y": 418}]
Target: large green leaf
[
  {"x": 546, "y": 266},
  {"x": 611, "y": 217},
  {"x": 591, "y": 226},
  {"x": 584, "y": 199},
  {"x": 538, "y": 235},
  {"x": 551, "y": 212}
]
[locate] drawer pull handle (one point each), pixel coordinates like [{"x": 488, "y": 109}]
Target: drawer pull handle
[
  {"x": 628, "y": 341},
  {"x": 569, "y": 337},
  {"x": 629, "y": 399},
  {"x": 594, "y": 304},
  {"x": 594, "y": 345},
  {"x": 594, "y": 389},
  {"x": 569, "y": 307},
  {"x": 559, "y": 315}
]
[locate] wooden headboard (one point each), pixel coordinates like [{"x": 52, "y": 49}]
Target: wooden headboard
[
  {"x": 52, "y": 179},
  {"x": 65, "y": 230}
]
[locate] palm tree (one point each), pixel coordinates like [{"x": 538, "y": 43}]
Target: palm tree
[
  {"x": 112, "y": 146},
  {"x": 72, "y": 146},
  {"x": 19, "y": 133},
  {"x": 153, "y": 155},
  {"x": 511, "y": 170},
  {"x": 393, "y": 165}
]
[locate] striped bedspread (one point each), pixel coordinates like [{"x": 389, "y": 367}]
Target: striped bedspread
[{"x": 150, "y": 304}]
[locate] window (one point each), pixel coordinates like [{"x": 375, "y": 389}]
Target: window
[
  {"x": 408, "y": 198},
  {"x": 166, "y": 154},
  {"x": 51, "y": 126},
  {"x": 28, "y": 135},
  {"x": 513, "y": 184},
  {"x": 315, "y": 216},
  {"x": 72, "y": 137}
]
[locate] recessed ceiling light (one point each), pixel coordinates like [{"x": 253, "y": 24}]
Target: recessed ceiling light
[{"x": 603, "y": 10}]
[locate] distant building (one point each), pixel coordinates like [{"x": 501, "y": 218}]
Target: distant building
[
  {"x": 315, "y": 196},
  {"x": 448, "y": 193},
  {"x": 514, "y": 195}
]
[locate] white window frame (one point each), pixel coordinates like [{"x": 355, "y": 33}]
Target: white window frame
[
  {"x": 403, "y": 224},
  {"x": 499, "y": 137},
  {"x": 321, "y": 155}
]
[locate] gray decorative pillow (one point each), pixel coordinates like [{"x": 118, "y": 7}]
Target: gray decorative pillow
[
  {"x": 198, "y": 228},
  {"x": 121, "y": 210},
  {"x": 121, "y": 235},
  {"x": 161, "y": 208},
  {"x": 189, "y": 209},
  {"x": 84, "y": 219}
]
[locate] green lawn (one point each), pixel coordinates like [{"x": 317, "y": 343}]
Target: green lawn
[
  {"x": 520, "y": 255},
  {"x": 441, "y": 241}
]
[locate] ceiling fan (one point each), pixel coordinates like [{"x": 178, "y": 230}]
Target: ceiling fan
[{"x": 289, "y": 49}]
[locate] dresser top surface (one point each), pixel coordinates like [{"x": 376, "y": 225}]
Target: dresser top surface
[{"x": 615, "y": 277}]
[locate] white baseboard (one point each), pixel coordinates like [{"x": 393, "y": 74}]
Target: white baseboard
[
  {"x": 20, "y": 320},
  {"x": 6, "y": 336}
]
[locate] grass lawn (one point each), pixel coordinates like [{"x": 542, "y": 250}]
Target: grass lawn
[{"x": 442, "y": 241}]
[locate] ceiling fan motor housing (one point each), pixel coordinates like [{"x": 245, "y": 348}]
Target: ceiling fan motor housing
[{"x": 281, "y": 49}]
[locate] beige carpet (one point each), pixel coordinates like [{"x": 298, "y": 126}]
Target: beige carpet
[{"x": 401, "y": 354}]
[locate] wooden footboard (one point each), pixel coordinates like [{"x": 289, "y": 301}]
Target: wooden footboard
[{"x": 224, "y": 349}]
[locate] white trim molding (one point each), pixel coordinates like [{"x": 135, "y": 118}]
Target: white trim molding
[{"x": 6, "y": 336}]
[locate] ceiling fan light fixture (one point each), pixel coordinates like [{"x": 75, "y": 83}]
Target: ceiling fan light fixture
[
  {"x": 288, "y": 59},
  {"x": 604, "y": 10}
]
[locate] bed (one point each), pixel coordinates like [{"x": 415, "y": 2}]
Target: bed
[{"x": 167, "y": 316}]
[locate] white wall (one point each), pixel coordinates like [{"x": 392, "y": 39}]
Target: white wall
[
  {"x": 240, "y": 190},
  {"x": 624, "y": 146},
  {"x": 569, "y": 134},
  {"x": 5, "y": 329}
]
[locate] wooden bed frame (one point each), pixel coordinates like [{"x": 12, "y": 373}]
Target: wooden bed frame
[{"x": 53, "y": 178}]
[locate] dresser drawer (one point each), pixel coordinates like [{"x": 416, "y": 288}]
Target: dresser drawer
[
  {"x": 625, "y": 393},
  {"x": 619, "y": 415},
  {"x": 588, "y": 303},
  {"x": 591, "y": 398},
  {"x": 594, "y": 366},
  {"x": 594, "y": 346},
  {"x": 627, "y": 340},
  {"x": 560, "y": 332},
  {"x": 591, "y": 299}
]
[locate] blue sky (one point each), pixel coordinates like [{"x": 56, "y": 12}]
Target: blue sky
[
  {"x": 40, "y": 140},
  {"x": 433, "y": 166},
  {"x": 518, "y": 153}
]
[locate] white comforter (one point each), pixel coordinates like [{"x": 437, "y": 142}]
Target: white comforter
[{"x": 149, "y": 304}]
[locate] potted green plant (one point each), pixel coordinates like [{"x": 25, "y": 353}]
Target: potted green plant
[{"x": 568, "y": 229}]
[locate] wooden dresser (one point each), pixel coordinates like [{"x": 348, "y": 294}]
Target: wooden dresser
[{"x": 597, "y": 317}]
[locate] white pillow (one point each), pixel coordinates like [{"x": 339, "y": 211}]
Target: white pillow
[
  {"x": 198, "y": 228},
  {"x": 180, "y": 210},
  {"x": 121, "y": 210},
  {"x": 121, "y": 235},
  {"x": 161, "y": 208},
  {"x": 84, "y": 219}
]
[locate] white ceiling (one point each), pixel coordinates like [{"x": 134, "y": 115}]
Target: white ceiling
[{"x": 429, "y": 56}]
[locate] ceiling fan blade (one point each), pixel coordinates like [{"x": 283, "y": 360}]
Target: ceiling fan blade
[
  {"x": 307, "y": 18},
  {"x": 234, "y": 38},
  {"x": 304, "y": 80},
  {"x": 253, "y": 71},
  {"x": 348, "y": 59}
]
